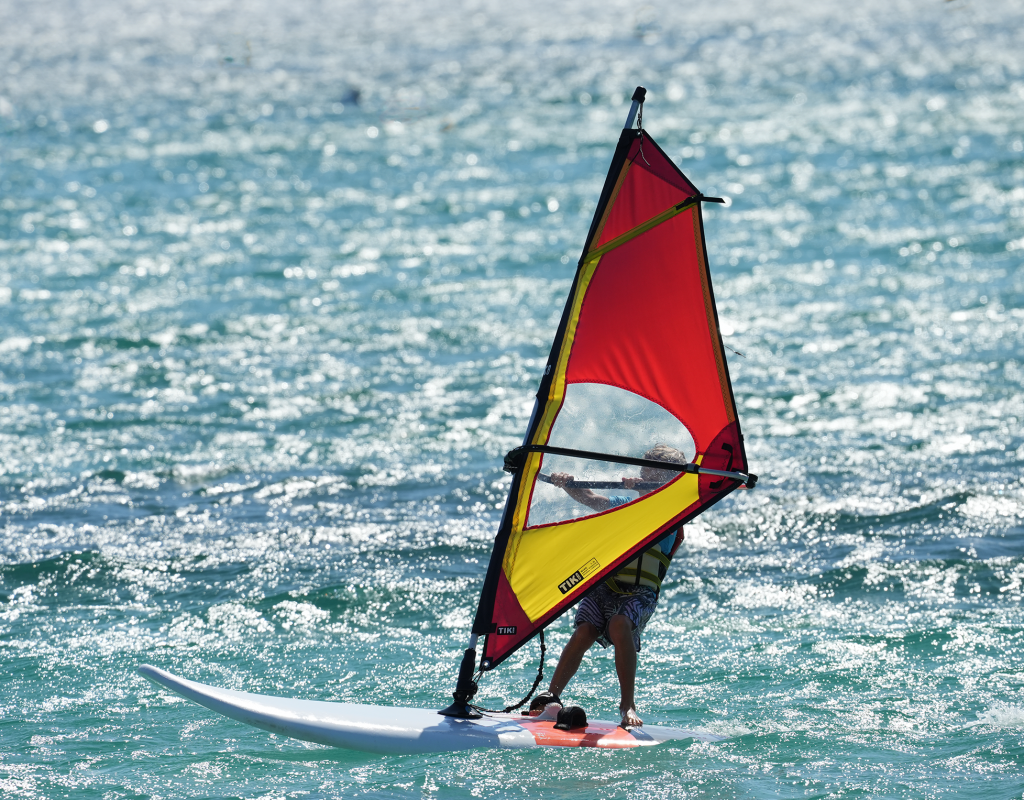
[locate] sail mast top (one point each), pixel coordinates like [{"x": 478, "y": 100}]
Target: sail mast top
[{"x": 638, "y": 100}]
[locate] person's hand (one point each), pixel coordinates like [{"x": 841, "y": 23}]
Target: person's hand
[
  {"x": 630, "y": 483},
  {"x": 560, "y": 479}
]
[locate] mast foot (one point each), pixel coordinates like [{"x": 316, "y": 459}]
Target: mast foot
[
  {"x": 460, "y": 710},
  {"x": 465, "y": 688}
]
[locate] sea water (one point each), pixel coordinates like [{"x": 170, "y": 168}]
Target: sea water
[{"x": 277, "y": 284}]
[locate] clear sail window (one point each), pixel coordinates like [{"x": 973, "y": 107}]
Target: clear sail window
[{"x": 602, "y": 419}]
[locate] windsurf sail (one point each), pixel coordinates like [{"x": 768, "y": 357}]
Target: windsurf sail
[{"x": 637, "y": 362}]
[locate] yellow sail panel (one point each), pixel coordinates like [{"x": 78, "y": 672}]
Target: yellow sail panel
[{"x": 548, "y": 557}]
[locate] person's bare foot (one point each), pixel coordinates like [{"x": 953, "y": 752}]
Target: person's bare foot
[{"x": 630, "y": 719}]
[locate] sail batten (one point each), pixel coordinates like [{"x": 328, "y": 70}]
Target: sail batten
[
  {"x": 643, "y": 227},
  {"x": 637, "y": 367}
]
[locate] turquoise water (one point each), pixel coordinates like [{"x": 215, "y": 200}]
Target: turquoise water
[{"x": 277, "y": 282}]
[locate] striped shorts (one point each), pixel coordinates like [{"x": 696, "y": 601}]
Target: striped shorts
[{"x": 636, "y": 603}]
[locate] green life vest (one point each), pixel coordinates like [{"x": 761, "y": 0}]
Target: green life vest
[{"x": 647, "y": 569}]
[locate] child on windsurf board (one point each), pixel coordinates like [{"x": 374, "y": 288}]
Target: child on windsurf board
[{"x": 615, "y": 612}]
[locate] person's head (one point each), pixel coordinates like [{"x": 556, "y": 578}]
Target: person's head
[{"x": 662, "y": 452}]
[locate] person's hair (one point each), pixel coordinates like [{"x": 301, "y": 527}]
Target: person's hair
[{"x": 662, "y": 452}]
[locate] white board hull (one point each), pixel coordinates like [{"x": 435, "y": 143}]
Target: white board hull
[{"x": 389, "y": 729}]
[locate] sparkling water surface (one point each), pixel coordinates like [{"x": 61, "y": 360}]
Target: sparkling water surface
[{"x": 277, "y": 282}]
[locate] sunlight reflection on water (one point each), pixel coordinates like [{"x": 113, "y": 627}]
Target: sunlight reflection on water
[{"x": 276, "y": 287}]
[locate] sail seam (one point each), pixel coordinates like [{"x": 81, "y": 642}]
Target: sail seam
[{"x": 643, "y": 227}]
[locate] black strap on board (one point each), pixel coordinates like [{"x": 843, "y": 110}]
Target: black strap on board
[{"x": 525, "y": 700}]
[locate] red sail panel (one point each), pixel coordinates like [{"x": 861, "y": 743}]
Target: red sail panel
[{"x": 644, "y": 327}]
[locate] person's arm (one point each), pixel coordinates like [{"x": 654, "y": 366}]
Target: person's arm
[{"x": 586, "y": 496}]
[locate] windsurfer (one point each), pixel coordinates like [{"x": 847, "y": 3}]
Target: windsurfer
[{"x": 615, "y": 612}]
